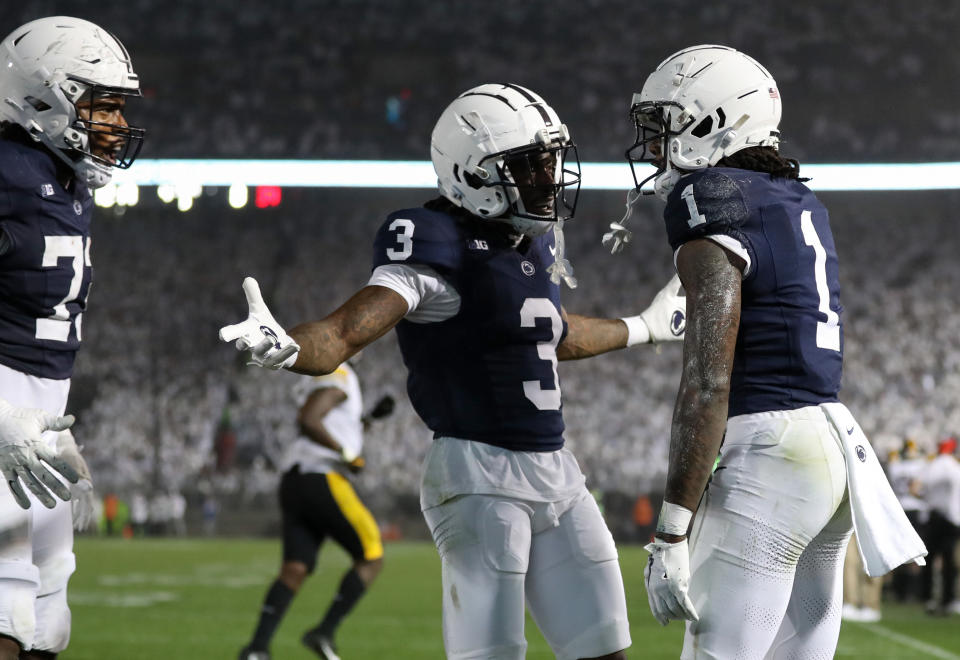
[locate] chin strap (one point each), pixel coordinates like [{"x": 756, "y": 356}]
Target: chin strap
[
  {"x": 560, "y": 269},
  {"x": 619, "y": 235}
]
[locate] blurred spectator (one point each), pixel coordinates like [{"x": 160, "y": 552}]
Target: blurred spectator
[
  {"x": 941, "y": 489},
  {"x": 861, "y": 593},
  {"x": 904, "y": 470}
]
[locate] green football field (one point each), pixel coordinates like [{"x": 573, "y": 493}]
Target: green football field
[{"x": 198, "y": 599}]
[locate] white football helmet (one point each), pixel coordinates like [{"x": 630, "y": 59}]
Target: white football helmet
[
  {"x": 699, "y": 105},
  {"x": 46, "y": 67},
  {"x": 484, "y": 138}
]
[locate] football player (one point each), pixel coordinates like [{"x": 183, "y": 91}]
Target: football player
[
  {"x": 318, "y": 501},
  {"x": 471, "y": 281},
  {"x": 762, "y": 363},
  {"x": 63, "y": 87}
]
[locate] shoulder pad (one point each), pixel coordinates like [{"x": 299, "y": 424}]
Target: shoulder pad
[
  {"x": 419, "y": 237},
  {"x": 704, "y": 203}
]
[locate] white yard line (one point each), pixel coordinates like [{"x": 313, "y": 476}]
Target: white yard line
[{"x": 913, "y": 643}]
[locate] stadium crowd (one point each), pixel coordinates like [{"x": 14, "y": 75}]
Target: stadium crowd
[{"x": 349, "y": 79}]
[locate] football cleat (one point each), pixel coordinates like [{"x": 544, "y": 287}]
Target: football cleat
[{"x": 320, "y": 643}]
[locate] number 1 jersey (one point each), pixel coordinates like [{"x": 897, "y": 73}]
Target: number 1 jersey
[
  {"x": 789, "y": 351},
  {"x": 489, "y": 372},
  {"x": 45, "y": 273}
]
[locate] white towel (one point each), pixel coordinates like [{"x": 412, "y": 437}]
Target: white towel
[{"x": 885, "y": 536}]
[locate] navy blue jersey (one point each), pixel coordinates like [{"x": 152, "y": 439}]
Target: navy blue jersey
[
  {"x": 45, "y": 273},
  {"x": 488, "y": 373},
  {"x": 789, "y": 350}
]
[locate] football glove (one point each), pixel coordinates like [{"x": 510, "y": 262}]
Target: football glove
[
  {"x": 667, "y": 577},
  {"x": 83, "y": 501},
  {"x": 666, "y": 317},
  {"x": 269, "y": 345},
  {"x": 354, "y": 461},
  {"x": 22, "y": 449}
]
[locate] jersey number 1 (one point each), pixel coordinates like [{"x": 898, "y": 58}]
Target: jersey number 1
[{"x": 828, "y": 332}]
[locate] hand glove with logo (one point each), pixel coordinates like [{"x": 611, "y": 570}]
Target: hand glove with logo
[
  {"x": 269, "y": 345},
  {"x": 664, "y": 320},
  {"x": 666, "y": 317},
  {"x": 667, "y": 577},
  {"x": 22, "y": 449},
  {"x": 354, "y": 461},
  {"x": 83, "y": 501}
]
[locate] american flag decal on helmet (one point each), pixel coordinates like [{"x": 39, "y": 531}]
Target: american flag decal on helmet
[{"x": 774, "y": 94}]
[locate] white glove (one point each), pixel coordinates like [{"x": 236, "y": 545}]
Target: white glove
[
  {"x": 83, "y": 501},
  {"x": 667, "y": 577},
  {"x": 269, "y": 344},
  {"x": 22, "y": 449},
  {"x": 666, "y": 317}
]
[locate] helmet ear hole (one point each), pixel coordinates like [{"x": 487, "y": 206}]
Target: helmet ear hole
[
  {"x": 703, "y": 128},
  {"x": 472, "y": 180}
]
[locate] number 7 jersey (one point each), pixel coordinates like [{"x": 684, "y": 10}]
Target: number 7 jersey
[
  {"x": 789, "y": 351},
  {"x": 488, "y": 373}
]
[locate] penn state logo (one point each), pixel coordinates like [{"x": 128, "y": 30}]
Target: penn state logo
[
  {"x": 678, "y": 322},
  {"x": 861, "y": 454},
  {"x": 273, "y": 335},
  {"x": 527, "y": 268},
  {"x": 77, "y": 207}
]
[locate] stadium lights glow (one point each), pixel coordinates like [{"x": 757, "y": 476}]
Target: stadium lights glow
[
  {"x": 238, "y": 196},
  {"x": 419, "y": 174}
]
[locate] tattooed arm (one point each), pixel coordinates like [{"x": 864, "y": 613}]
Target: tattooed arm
[
  {"x": 367, "y": 316},
  {"x": 712, "y": 278}
]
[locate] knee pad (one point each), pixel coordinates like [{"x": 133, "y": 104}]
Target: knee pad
[
  {"x": 19, "y": 584},
  {"x": 52, "y": 622}
]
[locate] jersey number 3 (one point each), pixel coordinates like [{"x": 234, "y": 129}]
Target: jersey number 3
[
  {"x": 56, "y": 327},
  {"x": 540, "y": 308}
]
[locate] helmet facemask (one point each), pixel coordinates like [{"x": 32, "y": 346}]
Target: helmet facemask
[
  {"x": 111, "y": 144},
  {"x": 653, "y": 120},
  {"x": 540, "y": 181}
]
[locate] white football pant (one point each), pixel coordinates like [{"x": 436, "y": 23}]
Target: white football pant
[
  {"x": 768, "y": 542},
  {"x": 499, "y": 553},
  {"x": 36, "y": 545}
]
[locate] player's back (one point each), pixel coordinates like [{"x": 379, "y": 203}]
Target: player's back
[
  {"x": 487, "y": 373},
  {"x": 45, "y": 272},
  {"x": 789, "y": 349}
]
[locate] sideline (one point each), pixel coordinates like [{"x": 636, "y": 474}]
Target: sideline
[{"x": 911, "y": 642}]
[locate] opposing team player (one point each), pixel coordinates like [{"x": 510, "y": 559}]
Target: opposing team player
[
  {"x": 63, "y": 86},
  {"x": 762, "y": 363},
  {"x": 318, "y": 501},
  {"x": 471, "y": 282}
]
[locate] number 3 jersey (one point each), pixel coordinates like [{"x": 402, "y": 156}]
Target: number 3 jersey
[
  {"x": 45, "y": 271},
  {"x": 486, "y": 370},
  {"x": 789, "y": 351}
]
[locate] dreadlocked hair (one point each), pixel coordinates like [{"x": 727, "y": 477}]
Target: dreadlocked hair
[{"x": 764, "y": 159}]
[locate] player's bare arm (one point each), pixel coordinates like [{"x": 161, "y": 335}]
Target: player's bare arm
[
  {"x": 663, "y": 320},
  {"x": 711, "y": 276},
  {"x": 311, "y": 415},
  {"x": 587, "y": 336},
  {"x": 368, "y": 315}
]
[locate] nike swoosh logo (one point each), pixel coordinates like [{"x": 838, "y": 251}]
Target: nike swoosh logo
[
  {"x": 850, "y": 431},
  {"x": 553, "y": 251}
]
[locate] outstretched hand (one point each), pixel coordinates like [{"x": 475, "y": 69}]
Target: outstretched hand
[{"x": 269, "y": 344}]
